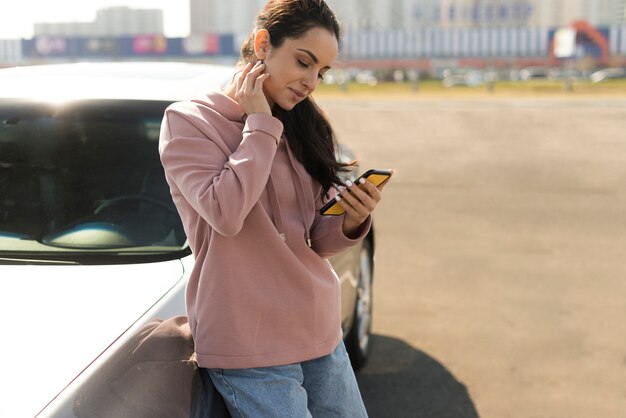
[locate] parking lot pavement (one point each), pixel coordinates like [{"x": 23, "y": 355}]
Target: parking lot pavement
[{"x": 501, "y": 265}]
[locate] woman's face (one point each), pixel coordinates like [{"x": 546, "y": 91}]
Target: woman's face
[{"x": 297, "y": 66}]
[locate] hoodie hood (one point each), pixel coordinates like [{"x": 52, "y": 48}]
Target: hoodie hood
[
  {"x": 231, "y": 110},
  {"x": 224, "y": 105}
]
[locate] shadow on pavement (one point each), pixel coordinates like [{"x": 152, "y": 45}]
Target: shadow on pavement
[{"x": 400, "y": 381}]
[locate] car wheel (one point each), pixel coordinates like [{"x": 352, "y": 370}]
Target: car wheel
[{"x": 358, "y": 339}]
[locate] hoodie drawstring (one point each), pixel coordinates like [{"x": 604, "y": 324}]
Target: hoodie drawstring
[
  {"x": 277, "y": 215},
  {"x": 301, "y": 197}
]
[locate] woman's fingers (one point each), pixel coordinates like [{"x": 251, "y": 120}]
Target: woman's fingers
[
  {"x": 367, "y": 194},
  {"x": 246, "y": 78},
  {"x": 249, "y": 91},
  {"x": 251, "y": 77},
  {"x": 242, "y": 76},
  {"x": 369, "y": 190},
  {"x": 350, "y": 210},
  {"x": 359, "y": 200},
  {"x": 259, "y": 82},
  {"x": 361, "y": 204}
]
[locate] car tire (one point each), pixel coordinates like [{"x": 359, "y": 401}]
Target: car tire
[{"x": 358, "y": 340}]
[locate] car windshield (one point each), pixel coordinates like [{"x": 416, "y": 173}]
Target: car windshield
[{"x": 84, "y": 179}]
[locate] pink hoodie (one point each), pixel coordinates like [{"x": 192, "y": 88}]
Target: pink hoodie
[{"x": 261, "y": 292}]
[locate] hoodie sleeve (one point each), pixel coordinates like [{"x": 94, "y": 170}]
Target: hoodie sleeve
[
  {"x": 221, "y": 188},
  {"x": 327, "y": 237}
]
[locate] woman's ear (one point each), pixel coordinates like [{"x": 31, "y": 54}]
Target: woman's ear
[{"x": 261, "y": 44}]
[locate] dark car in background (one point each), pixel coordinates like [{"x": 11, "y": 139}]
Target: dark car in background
[{"x": 93, "y": 257}]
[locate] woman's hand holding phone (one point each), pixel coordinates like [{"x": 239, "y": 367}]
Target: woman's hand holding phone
[
  {"x": 359, "y": 200},
  {"x": 249, "y": 89}
]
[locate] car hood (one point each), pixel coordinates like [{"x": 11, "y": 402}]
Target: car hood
[{"x": 57, "y": 319}]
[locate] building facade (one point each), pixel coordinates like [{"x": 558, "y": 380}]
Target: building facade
[
  {"x": 112, "y": 22},
  {"x": 375, "y": 32},
  {"x": 218, "y": 16},
  {"x": 416, "y": 14}
]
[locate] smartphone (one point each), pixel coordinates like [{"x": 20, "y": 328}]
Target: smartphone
[{"x": 376, "y": 177}]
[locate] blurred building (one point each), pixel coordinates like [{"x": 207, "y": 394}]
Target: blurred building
[
  {"x": 376, "y": 30},
  {"x": 10, "y": 52},
  {"x": 237, "y": 16},
  {"x": 371, "y": 14},
  {"x": 376, "y": 33},
  {"x": 596, "y": 12},
  {"x": 112, "y": 21},
  {"x": 416, "y": 14},
  {"x": 219, "y": 16},
  {"x": 618, "y": 11}
]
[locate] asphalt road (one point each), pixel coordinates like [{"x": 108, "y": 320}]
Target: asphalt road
[{"x": 501, "y": 266}]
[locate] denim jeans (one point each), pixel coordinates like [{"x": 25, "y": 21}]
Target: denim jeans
[{"x": 321, "y": 388}]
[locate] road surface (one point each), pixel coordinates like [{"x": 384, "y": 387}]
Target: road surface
[{"x": 501, "y": 266}]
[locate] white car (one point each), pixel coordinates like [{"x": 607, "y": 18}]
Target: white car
[
  {"x": 608, "y": 73},
  {"x": 93, "y": 256},
  {"x": 462, "y": 77}
]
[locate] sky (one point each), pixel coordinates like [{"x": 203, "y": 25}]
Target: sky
[{"x": 18, "y": 21}]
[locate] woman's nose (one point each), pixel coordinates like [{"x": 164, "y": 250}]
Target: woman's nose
[{"x": 310, "y": 82}]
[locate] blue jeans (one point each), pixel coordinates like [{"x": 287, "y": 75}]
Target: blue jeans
[{"x": 324, "y": 387}]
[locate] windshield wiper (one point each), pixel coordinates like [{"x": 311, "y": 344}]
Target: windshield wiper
[{"x": 28, "y": 260}]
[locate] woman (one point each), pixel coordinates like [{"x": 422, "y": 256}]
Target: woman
[{"x": 248, "y": 169}]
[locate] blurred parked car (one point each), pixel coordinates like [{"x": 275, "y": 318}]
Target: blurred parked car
[
  {"x": 563, "y": 73},
  {"x": 462, "y": 77},
  {"x": 529, "y": 73},
  {"x": 608, "y": 73},
  {"x": 93, "y": 257},
  {"x": 336, "y": 76},
  {"x": 366, "y": 77}
]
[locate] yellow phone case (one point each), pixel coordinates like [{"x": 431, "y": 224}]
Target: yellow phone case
[{"x": 376, "y": 177}]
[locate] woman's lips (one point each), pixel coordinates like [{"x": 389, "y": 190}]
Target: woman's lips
[{"x": 298, "y": 94}]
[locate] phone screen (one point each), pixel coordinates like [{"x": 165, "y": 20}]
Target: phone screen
[{"x": 376, "y": 177}]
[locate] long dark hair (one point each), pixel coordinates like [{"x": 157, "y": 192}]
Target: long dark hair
[{"x": 308, "y": 131}]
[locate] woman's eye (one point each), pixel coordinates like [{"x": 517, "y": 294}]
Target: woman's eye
[{"x": 305, "y": 65}]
